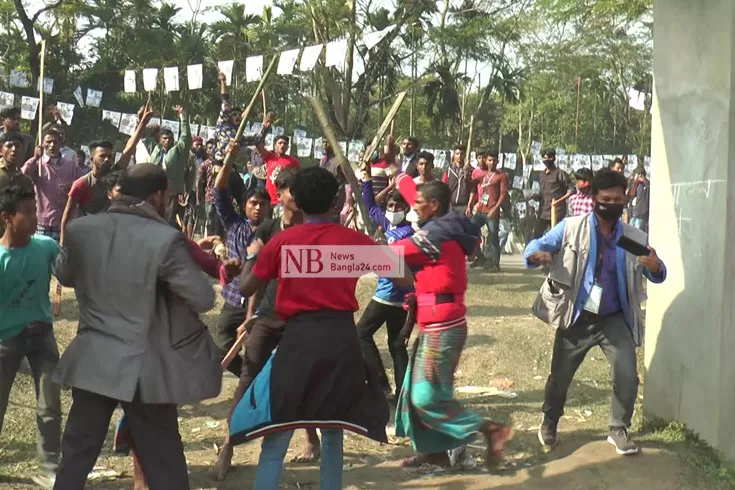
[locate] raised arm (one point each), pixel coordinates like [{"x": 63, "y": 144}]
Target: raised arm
[
  {"x": 144, "y": 117},
  {"x": 377, "y": 214},
  {"x": 222, "y": 196},
  {"x": 184, "y": 143}
]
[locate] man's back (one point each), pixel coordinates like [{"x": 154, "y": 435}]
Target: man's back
[{"x": 117, "y": 263}]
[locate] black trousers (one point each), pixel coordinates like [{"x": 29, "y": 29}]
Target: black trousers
[
  {"x": 225, "y": 334},
  {"x": 375, "y": 315},
  {"x": 540, "y": 227},
  {"x": 155, "y": 430}
]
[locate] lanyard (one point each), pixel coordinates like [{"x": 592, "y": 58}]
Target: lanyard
[{"x": 487, "y": 182}]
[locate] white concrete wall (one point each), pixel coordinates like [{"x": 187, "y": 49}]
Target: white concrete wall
[{"x": 690, "y": 336}]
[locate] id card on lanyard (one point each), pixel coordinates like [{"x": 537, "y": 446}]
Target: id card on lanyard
[
  {"x": 595, "y": 298},
  {"x": 485, "y": 199}
]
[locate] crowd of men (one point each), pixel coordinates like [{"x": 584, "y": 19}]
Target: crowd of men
[{"x": 121, "y": 235}]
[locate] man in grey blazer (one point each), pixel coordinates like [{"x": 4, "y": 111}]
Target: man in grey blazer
[{"x": 140, "y": 342}]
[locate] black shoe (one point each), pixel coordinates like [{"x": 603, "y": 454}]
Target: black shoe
[
  {"x": 547, "y": 433},
  {"x": 621, "y": 440}
]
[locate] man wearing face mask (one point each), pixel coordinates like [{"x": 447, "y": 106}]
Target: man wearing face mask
[
  {"x": 386, "y": 306},
  {"x": 592, "y": 297},
  {"x": 556, "y": 188}
]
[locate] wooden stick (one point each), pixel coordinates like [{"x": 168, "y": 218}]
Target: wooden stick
[
  {"x": 57, "y": 300},
  {"x": 265, "y": 110},
  {"x": 241, "y": 129},
  {"x": 234, "y": 350},
  {"x": 553, "y": 216},
  {"x": 40, "y": 99},
  {"x": 387, "y": 122},
  {"x": 343, "y": 164}
]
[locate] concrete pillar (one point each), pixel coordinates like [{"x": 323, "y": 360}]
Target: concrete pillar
[{"x": 690, "y": 334}]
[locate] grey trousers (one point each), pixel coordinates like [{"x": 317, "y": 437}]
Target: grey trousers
[
  {"x": 155, "y": 430},
  {"x": 570, "y": 348},
  {"x": 38, "y": 344}
]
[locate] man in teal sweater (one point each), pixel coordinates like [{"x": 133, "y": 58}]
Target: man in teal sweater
[{"x": 174, "y": 158}]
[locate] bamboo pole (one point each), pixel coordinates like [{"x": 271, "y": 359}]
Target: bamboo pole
[{"x": 40, "y": 97}]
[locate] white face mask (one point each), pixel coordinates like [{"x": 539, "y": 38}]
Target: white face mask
[{"x": 395, "y": 218}]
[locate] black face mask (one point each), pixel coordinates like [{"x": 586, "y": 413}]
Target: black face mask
[
  {"x": 549, "y": 163},
  {"x": 610, "y": 211}
]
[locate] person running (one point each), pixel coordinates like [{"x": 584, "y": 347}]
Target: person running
[
  {"x": 600, "y": 306},
  {"x": 427, "y": 411},
  {"x": 317, "y": 377},
  {"x": 26, "y": 329},
  {"x": 386, "y": 306}
]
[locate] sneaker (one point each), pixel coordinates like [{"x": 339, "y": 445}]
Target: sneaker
[
  {"x": 44, "y": 481},
  {"x": 547, "y": 433},
  {"x": 621, "y": 440}
]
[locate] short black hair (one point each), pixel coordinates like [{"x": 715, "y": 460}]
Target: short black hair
[
  {"x": 436, "y": 191},
  {"x": 549, "y": 152},
  {"x": 10, "y": 113},
  {"x": 167, "y": 132},
  {"x": 584, "y": 174},
  {"x": 210, "y": 141},
  {"x": 11, "y": 136},
  {"x": 51, "y": 131},
  {"x": 460, "y": 148},
  {"x": 14, "y": 190},
  {"x": 640, "y": 171},
  {"x": 258, "y": 193},
  {"x": 144, "y": 180},
  {"x": 281, "y": 137},
  {"x": 314, "y": 190},
  {"x": 114, "y": 178},
  {"x": 414, "y": 140},
  {"x": 491, "y": 153},
  {"x": 286, "y": 178},
  {"x": 607, "y": 179},
  {"x": 80, "y": 153},
  {"x": 426, "y": 156},
  {"x": 101, "y": 144},
  {"x": 396, "y": 197}
]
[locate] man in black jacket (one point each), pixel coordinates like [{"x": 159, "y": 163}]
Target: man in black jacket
[{"x": 459, "y": 179}]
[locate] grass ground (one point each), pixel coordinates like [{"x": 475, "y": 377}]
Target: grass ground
[{"x": 505, "y": 345}]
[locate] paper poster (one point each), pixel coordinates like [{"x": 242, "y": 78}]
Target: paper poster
[
  {"x": 171, "y": 78},
  {"x": 309, "y": 57},
  {"x": 527, "y": 171},
  {"x": 253, "y": 68},
  {"x": 7, "y": 99},
  {"x": 128, "y": 123},
  {"x": 372, "y": 39},
  {"x": 501, "y": 160},
  {"x": 194, "y": 76},
  {"x": 562, "y": 162},
  {"x": 441, "y": 158},
  {"x": 94, "y": 97},
  {"x": 129, "y": 81},
  {"x": 150, "y": 79},
  {"x": 473, "y": 159},
  {"x": 211, "y": 132},
  {"x": 79, "y": 96},
  {"x": 174, "y": 126},
  {"x": 535, "y": 187},
  {"x": 636, "y": 99},
  {"x": 66, "y": 111},
  {"x": 299, "y": 134},
  {"x": 194, "y": 128},
  {"x": 154, "y": 121},
  {"x": 113, "y": 117},
  {"x": 538, "y": 163},
  {"x": 268, "y": 142},
  {"x": 510, "y": 161},
  {"x": 28, "y": 107},
  {"x": 256, "y": 127},
  {"x": 336, "y": 53},
  {"x": 287, "y": 61},
  {"x": 319, "y": 148},
  {"x": 19, "y": 79},
  {"x": 203, "y": 132},
  {"x": 48, "y": 85},
  {"x": 536, "y": 147},
  {"x": 517, "y": 182},
  {"x": 303, "y": 147},
  {"x": 277, "y": 130},
  {"x": 520, "y": 208},
  {"x": 597, "y": 162},
  {"x": 355, "y": 150},
  {"x": 560, "y": 151},
  {"x": 226, "y": 68}
]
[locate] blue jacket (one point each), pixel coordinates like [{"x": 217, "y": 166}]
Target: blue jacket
[
  {"x": 552, "y": 242},
  {"x": 386, "y": 292}
]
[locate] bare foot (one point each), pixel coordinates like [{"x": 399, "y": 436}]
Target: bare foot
[
  {"x": 437, "y": 459},
  {"x": 497, "y": 436},
  {"x": 224, "y": 461},
  {"x": 310, "y": 454}
]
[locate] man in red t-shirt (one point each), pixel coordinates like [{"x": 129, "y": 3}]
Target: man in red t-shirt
[
  {"x": 490, "y": 196},
  {"x": 275, "y": 160},
  {"x": 317, "y": 378}
]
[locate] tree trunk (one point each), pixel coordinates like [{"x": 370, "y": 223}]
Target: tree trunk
[{"x": 347, "y": 82}]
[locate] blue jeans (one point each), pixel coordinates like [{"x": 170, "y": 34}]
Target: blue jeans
[
  {"x": 491, "y": 246},
  {"x": 273, "y": 450}
]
